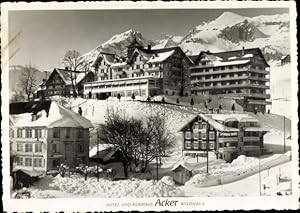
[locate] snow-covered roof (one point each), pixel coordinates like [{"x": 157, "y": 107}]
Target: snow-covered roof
[
  {"x": 256, "y": 129},
  {"x": 238, "y": 117},
  {"x": 58, "y": 116},
  {"x": 183, "y": 164},
  {"x": 228, "y": 63},
  {"x": 160, "y": 57},
  {"x": 66, "y": 76},
  {"x": 118, "y": 64},
  {"x": 101, "y": 147},
  {"x": 218, "y": 126}
]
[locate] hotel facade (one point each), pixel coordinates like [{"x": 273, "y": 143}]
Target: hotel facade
[
  {"x": 242, "y": 74},
  {"x": 144, "y": 72}
]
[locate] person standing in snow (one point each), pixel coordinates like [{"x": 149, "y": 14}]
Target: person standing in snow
[{"x": 80, "y": 111}]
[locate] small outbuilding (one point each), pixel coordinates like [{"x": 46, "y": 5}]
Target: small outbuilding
[{"x": 182, "y": 172}]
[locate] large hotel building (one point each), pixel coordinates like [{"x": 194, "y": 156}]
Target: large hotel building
[
  {"x": 144, "y": 72},
  {"x": 241, "y": 74}
]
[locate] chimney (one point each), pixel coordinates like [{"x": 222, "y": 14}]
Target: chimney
[
  {"x": 243, "y": 51},
  {"x": 149, "y": 47}
]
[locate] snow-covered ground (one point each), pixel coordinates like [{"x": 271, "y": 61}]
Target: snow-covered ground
[
  {"x": 243, "y": 171},
  {"x": 74, "y": 185},
  {"x": 248, "y": 186}
]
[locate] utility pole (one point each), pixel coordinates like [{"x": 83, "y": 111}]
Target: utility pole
[
  {"x": 283, "y": 134},
  {"x": 98, "y": 159},
  {"x": 207, "y": 143},
  {"x": 259, "y": 173},
  {"x": 157, "y": 166}
]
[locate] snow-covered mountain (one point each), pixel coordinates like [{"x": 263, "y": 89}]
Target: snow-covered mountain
[
  {"x": 227, "y": 32},
  {"x": 168, "y": 41},
  {"x": 231, "y": 31},
  {"x": 117, "y": 44}
]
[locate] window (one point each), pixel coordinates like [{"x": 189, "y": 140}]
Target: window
[
  {"x": 211, "y": 146},
  {"x": 28, "y": 147},
  {"x": 195, "y": 145},
  {"x": 19, "y": 147},
  {"x": 28, "y": 133},
  {"x": 188, "y": 144},
  {"x": 188, "y": 135},
  {"x": 211, "y": 135},
  {"x": 80, "y": 133},
  {"x": 28, "y": 162},
  {"x": 196, "y": 135},
  {"x": 203, "y": 135},
  {"x": 56, "y": 133},
  {"x": 19, "y": 161},
  {"x": 55, "y": 148},
  {"x": 37, "y": 162},
  {"x": 80, "y": 148},
  {"x": 38, "y": 133},
  {"x": 38, "y": 147},
  {"x": 68, "y": 132},
  {"x": 203, "y": 145}
]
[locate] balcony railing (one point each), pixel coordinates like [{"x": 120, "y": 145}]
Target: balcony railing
[
  {"x": 231, "y": 86},
  {"x": 220, "y": 79},
  {"x": 250, "y": 138},
  {"x": 228, "y": 139}
]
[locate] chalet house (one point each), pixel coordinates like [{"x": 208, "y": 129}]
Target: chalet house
[
  {"x": 60, "y": 82},
  {"x": 144, "y": 72},
  {"x": 285, "y": 59},
  {"x": 227, "y": 135},
  {"x": 240, "y": 74},
  {"x": 44, "y": 134}
]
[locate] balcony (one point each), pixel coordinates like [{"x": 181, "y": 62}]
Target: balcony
[
  {"x": 228, "y": 149},
  {"x": 152, "y": 69},
  {"x": 220, "y": 79},
  {"x": 250, "y": 138},
  {"x": 230, "y": 86},
  {"x": 251, "y": 147},
  {"x": 228, "y": 139},
  {"x": 219, "y": 72}
]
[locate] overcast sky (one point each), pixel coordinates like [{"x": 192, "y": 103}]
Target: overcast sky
[{"x": 47, "y": 35}]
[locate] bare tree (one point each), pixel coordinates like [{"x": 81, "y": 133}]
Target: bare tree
[
  {"x": 28, "y": 82},
  {"x": 119, "y": 130},
  {"x": 74, "y": 63}
]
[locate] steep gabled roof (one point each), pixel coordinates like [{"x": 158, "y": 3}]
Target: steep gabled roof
[
  {"x": 234, "y": 55},
  {"x": 65, "y": 75},
  {"x": 49, "y": 114}
]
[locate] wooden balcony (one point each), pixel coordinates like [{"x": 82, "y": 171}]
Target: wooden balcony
[
  {"x": 230, "y": 86},
  {"x": 228, "y": 139},
  {"x": 252, "y": 138}
]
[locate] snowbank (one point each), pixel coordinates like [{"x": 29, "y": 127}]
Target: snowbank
[{"x": 76, "y": 185}]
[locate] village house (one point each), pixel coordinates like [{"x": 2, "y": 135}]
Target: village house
[
  {"x": 240, "y": 74},
  {"x": 60, "y": 82},
  {"x": 44, "y": 134},
  {"x": 227, "y": 135},
  {"x": 144, "y": 72}
]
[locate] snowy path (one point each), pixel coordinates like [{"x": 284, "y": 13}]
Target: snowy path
[{"x": 245, "y": 187}]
